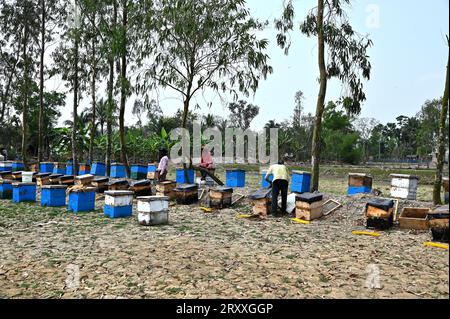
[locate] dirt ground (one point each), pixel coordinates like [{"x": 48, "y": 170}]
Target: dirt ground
[{"x": 213, "y": 255}]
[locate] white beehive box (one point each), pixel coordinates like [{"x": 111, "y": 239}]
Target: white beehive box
[
  {"x": 27, "y": 177},
  {"x": 404, "y": 186},
  {"x": 149, "y": 204},
  {"x": 119, "y": 198}
]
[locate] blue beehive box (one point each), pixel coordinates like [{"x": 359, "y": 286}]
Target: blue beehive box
[
  {"x": 354, "y": 190},
  {"x": 69, "y": 168},
  {"x": 264, "y": 183},
  {"x": 82, "y": 200},
  {"x": 151, "y": 168},
  {"x": 181, "y": 178},
  {"x": 6, "y": 189},
  {"x": 24, "y": 192},
  {"x": 118, "y": 204},
  {"x": 98, "y": 169},
  {"x": 235, "y": 178},
  {"x": 59, "y": 169},
  {"x": 118, "y": 171},
  {"x": 53, "y": 195},
  {"x": 46, "y": 167},
  {"x": 139, "y": 171},
  {"x": 359, "y": 184},
  {"x": 17, "y": 166},
  {"x": 5, "y": 166},
  {"x": 301, "y": 182}
]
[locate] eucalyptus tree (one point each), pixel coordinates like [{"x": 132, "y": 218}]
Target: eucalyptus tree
[
  {"x": 347, "y": 60},
  {"x": 194, "y": 45},
  {"x": 442, "y": 138}
]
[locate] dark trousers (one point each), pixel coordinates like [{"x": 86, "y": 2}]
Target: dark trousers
[{"x": 279, "y": 185}]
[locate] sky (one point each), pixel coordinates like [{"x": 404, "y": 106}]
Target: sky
[{"x": 408, "y": 58}]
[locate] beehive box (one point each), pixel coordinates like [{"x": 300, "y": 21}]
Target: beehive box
[
  {"x": 380, "y": 213},
  {"x": 235, "y": 178},
  {"x": 186, "y": 194},
  {"x": 118, "y": 185},
  {"x": 301, "y": 182},
  {"x": 59, "y": 168},
  {"x": 98, "y": 169},
  {"x": 151, "y": 171},
  {"x": 6, "y": 189},
  {"x": 261, "y": 202},
  {"x": 359, "y": 184},
  {"x": 67, "y": 180},
  {"x": 166, "y": 189},
  {"x": 85, "y": 169},
  {"x": 309, "y": 206},
  {"x": 181, "y": 178},
  {"x": 6, "y": 175},
  {"x": 404, "y": 186},
  {"x": 101, "y": 184},
  {"x": 82, "y": 200},
  {"x": 28, "y": 177},
  {"x": 118, "y": 204},
  {"x": 17, "y": 176},
  {"x": 139, "y": 172},
  {"x": 5, "y": 166},
  {"x": 54, "y": 179},
  {"x": 118, "y": 170},
  {"x": 153, "y": 210},
  {"x": 46, "y": 167},
  {"x": 445, "y": 187},
  {"x": 85, "y": 180},
  {"x": 24, "y": 192},
  {"x": 69, "y": 168},
  {"x": 43, "y": 179},
  {"x": 53, "y": 195},
  {"x": 414, "y": 218},
  {"x": 439, "y": 223},
  {"x": 142, "y": 187},
  {"x": 17, "y": 166},
  {"x": 220, "y": 197}
]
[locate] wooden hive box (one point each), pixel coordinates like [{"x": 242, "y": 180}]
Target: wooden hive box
[
  {"x": 439, "y": 223},
  {"x": 85, "y": 180},
  {"x": 118, "y": 185},
  {"x": 17, "y": 176},
  {"x": 101, "y": 184},
  {"x": 220, "y": 197},
  {"x": 55, "y": 179},
  {"x": 142, "y": 187},
  {"x": 166, "y": 189},
  {"x": 309, "y": 206},
  {"x": 43, "y": 179},
  {"x": 359, "y": 184},
  {"x": 6, "y": 175},
  {"x": 186, "y": 194},
  {"x": 414, "y": 218},
  {"x": 261, "y": 202},
  {"x": 67, "y": 180},
  {"x": 380, "y": 213}
]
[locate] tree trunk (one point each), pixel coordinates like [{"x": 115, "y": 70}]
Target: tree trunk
[
  {"x": 315, "y": 157},
  {"x": 441, "y": 151},
  {"x": 25, "y": 96},
  {"x": 124, "y": 90},
  {"x": 41, "y": 85},
  {"x": 75, "y": 109},
  {"x": 184, "y": 124},
  {"x": 94, "y": 103}
]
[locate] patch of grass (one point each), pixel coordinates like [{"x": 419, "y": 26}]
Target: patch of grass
[{"x": 173, "y": 290}]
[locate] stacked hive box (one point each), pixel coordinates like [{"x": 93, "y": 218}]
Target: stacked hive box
[
  {"x": 54, "y": 179},
  {"x": 6, "y": 189},
  {"x": 17, "y": 166},
  {"x": 309, "y": 206},
  {"x": 181, "y": 178},
  {"x": 301, "y": 182},
  {"x": 380, "y": 213},
  {"x": 118, "y": 204},
  {"x": 151, "y": 171},
  {"x": 414, "y": 218},
  {"x": 46, "y": 167},
  {"x": 445, "y": 186},
  {"x": 186, "y": 194},
  {"x": 101, "y": 184},
  {"x": 261, "y": 201},
  {"x": 139, "y": 171},
  {"x": 17, "y": 176},
  {"x": 220, "y": 197},
  {"x": 28, "y": 177},
  {"x": 67, "y": 180},
  {"x": 24, "y": 192},
  {"x": 59, "y": 168},
  {"x": 118, "y": 185},
  {"x": 53, "y": 195},
  {"x": 98, "y": 169},
  {"x": 404, "y": 186},
  {"x": 153, "y": 210},
  {"x": 359, "y": 184},
  {"x": 235, "y": 178},
  {"x": 166, "y": 189},
  {"x": 85, "y": 180},
  {"x": 5, "y": 175},
  {"x": 43, "y": 179},
  {"x": 118, "y": 170},
  {"x": 82, "y": 200},
  {"x": 142, "y": 188},
  {"x": 439, "y": 222}
]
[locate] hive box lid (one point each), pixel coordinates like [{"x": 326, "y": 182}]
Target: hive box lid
[
  {"x": 187, "y": 187},
  {"x": 260, "y": 194},
  {"x": 119, "y": 193},
  {"x": 139, "y": 165},
  {"x": 235, "y": 170},
  {"x": 301, "y": 173},
  {"x": 5, "y": 173},
  {"x": 55, "y": 176},
  {"x": 153, "y": 198},
  {"x": 404, "y": 176},
  {"x": 54, "y": 187},
  {"x": 83, "y": 190},
  {"x": 41, "y": 175},
  {"x": 87, "y": 176},
  {"x": 359, "y": 175},
  {"x": 144, "y": 182},
  {"x": 67, "y": 177},
  {"x": 23, "y": 184},
  {"x": 118, "y": 182},
  {"x": 309, "y": 197},
  {"x": 118, "y": 164},
  {"x": 384, "y": 204},
  {"x": 440, "y": 212},
  {"x": 167, "y": 183},
  {"x": 101, "y": 163},
  {"x": 223, "y": 189},
  {"x": 101, "y": 180}
]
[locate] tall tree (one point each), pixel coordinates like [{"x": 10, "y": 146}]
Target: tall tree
[
  {"x": 242, "y": 114},
  {"x": 201, "y": 44},
  {"x": 347, "y": 61},
  {"x": 442, "y": 133}
]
